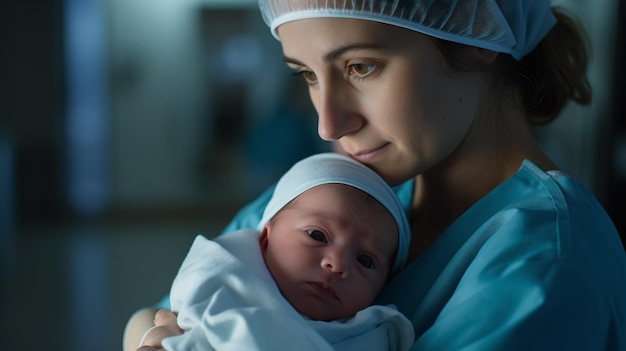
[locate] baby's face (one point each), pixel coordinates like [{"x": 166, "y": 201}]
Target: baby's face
[{"x": 330, "y": 250}]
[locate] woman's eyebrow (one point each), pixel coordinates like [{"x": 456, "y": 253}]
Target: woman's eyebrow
[
  {"x": 287, "y": 59},
  {"x": 335, "y": 54}
]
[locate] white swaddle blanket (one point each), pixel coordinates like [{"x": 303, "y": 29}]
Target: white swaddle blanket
[{"x": 227, "y": 300}]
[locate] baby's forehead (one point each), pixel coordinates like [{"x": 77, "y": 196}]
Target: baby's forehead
[
  {"x": 355, "y": 196},
  {"x": 357, "y": 209}
]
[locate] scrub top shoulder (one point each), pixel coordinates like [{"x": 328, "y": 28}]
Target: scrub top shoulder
[{"x": 536, "y": 264}]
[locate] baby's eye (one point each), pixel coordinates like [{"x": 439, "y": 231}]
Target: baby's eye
[
  {"x": 366, "y": 261},
  {"x": 317, "y": 235}
]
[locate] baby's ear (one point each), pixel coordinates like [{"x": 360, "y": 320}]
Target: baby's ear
[{"x": 264, "y": 237}]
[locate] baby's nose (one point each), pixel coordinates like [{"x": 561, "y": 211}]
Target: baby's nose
[{"x": 336, "y": 264}]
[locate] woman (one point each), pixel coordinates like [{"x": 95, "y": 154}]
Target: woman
[{"x": 439, "y": 97}]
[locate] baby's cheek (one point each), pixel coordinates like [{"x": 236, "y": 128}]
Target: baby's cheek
[{"x": 364, "y": 295}]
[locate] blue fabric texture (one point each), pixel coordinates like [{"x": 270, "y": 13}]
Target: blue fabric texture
[{"x": 535, "y": 265}]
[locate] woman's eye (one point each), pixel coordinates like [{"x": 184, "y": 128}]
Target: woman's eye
[
  {"x": 309, "y": 76},
  {"x": 361, "y": 69},
  {"x": 317, "y": 235},
  {"x": 366, "y": 261}
]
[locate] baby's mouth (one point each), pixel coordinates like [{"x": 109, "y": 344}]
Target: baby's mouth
[{"x": 324, "y": 290}]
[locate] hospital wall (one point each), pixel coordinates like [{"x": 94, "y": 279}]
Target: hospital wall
[{"x": 128, "y": 127}]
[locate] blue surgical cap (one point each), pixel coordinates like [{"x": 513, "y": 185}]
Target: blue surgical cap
[{"x": 507, "y": 26}]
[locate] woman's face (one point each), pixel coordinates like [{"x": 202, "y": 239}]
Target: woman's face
[{"x": 383, "y": 93}]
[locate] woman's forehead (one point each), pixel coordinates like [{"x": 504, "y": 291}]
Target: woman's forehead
[{"x": 326, "y": 36}]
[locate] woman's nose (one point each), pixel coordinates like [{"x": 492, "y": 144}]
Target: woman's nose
[
  {"x": 335, "y": 263},
  {"x": 336, "y": 112}
]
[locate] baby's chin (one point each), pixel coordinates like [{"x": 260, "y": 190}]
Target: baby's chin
[
  {"x": 326, "y": 316},
  {"x": 317, "y": 304},
  {"x": 320, "y": 312}
]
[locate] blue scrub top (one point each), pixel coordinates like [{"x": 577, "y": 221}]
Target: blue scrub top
[{"x": 536, "y": 264}]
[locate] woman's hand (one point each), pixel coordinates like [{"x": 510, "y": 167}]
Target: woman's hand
[
  {"x": 165, "y": 325},
  {"x": 136, "y": 327}
]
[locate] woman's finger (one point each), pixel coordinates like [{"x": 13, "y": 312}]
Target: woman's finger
[
  {"x": 148, "y": 348},
  {"x": 156, "y": 335},
  {"x": 137, "y": 326},
  {"x": 166, "y": 318}
]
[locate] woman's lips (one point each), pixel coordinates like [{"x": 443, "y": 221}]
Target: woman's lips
[{"x": 369, "y": 155}]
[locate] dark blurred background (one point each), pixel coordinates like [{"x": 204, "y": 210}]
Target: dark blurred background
[{"x": 128, "y": 127}]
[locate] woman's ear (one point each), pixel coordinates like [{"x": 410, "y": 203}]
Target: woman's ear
[{"x": 265, "y": 237}]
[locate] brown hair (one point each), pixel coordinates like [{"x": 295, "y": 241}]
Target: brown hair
[{"x": 545, "y": 79}]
